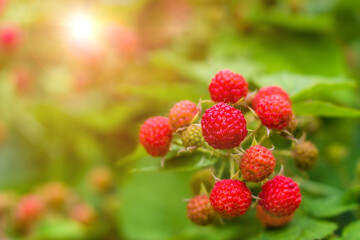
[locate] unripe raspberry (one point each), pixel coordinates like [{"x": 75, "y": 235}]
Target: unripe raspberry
[
  {"x": 182, "y": 113},
  {"x": 82, "y": 213},
  {"x": 274, "y": 112},
  {"x": 10, "y": 37},
  {"x": 28, "y": 210},
  {"x": 155, "y": 136},
  {"x": 305, "y": 155},
  {"x": 101, "y": 179},
  {"x": 192, "y": 136},
  {"x": 54, "y": 194},
  {"x": 223, "y": 126},
  {"x": 268, "y": 91},
  {"x": 280, "y": 196},
  {"x": 200, "y": 211},
  {"x": 268, "y": 220},
  {"x": 230, "y": 198},
  {"x": 228, "y": 87},
  {"x": 257, "y": 163}
]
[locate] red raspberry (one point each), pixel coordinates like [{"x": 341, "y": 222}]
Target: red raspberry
[
  {"x": 83, "y": 213},
  {"x": 200, "y": 211},
  {"x": 230, "y": 198},
  {"x": 274, "y": 112},
  {"x": 28, "y": 210},
  {"x": 271, "y": 221},
  {"x": 182, "y": 113},
  {"x": 228, "y": 87},
  {"x": 257, "y": 163},
  {"x": 155, "y": 136},
  {"x": 267, "y": 91},
  {"x": 280, "y": 196},
  {"x": 224, "y": 127},
  {"x": 10, "y": 37}
]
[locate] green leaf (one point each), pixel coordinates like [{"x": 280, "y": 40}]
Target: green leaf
[
  {"x": 301, "y": 228},
  {"x": 324, "y": 109},
  {"x": 330, "y": 206},
  {"x": 59, "y": 229},
  {"x": 351, "y": 232},
  {"x": 301, "y": 86}
]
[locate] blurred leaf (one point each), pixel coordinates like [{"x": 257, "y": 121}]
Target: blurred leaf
[
  {"x": 301, "y": 228},
  {"x": 303, "y": 86},
  {"x": 59, "y": 229},
  {"x": 330, "y": 206},
  {"x": 324, "y": 109},
  {"x": 351, "y": 231}
]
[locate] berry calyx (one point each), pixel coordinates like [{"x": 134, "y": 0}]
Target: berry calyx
[
  {"x": 228, "y": 87},
  {"x": 192, "y": 136},
  {"x": 257, "y": 163},
  {"x": 268, "y": 91},
  {"x": 280, "y": 196},
  {"x": 268, "y": 220},
  {"x": 200, "y": 211},
  {"x": 230, "y": 198},
  {"x": 305, "y": 155},
  {"x": 182, "y": 113},
  {"x": 223, "y": 126},
  {"x": 155, "y": 136},
  {"x": 274, "y": 112}
]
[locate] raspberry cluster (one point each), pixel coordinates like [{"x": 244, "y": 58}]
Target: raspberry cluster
[{"x": 222, "y": 129}]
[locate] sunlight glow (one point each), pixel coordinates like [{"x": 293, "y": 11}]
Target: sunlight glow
[{"x": 81, "y": 27}]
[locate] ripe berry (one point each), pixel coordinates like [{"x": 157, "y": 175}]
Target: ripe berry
[
  {"x": 230, "y": 198},
  {"x": 274, "y": 112},
  {"x": 192, "y": 136},
  {"x": 155, "y": 136},
  {"x": 200, "y": 211},
  {"x": 182, "y": 113},
  {"x": 269, "y": 220},
  {"x": 224, "y": 127},
  {"x": 305, "y": 155},
  {"x": 257, "y": 163},
  {"x": 10, "y": 37},
  {"x": 28, "y": 210},
  {"x": 267, "y": 91},
  {"x": 228, "y": 87},
  {"x": 280, "y": 196}
]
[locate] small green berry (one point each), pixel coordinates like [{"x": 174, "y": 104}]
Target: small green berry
[
  {"x": 305, "y": 155},
  {"x": 192, "y": 136}
]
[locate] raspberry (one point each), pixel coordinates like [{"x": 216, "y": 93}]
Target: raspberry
[
  {"x": 82, "y": 213},
  {"x": 182, "y": 113},
  {"x": 280, "y": 196},
  {"x": 274, "y": 112},
  {"x": 228, "y": 87},
  {"x": 223, "y": 126},
  {"x": 230, "y": 198},
  {"x": 200, "y": 211},
  {"x": 192, "y": 136},
  {"x": 305, "y": 155},
  {"x": 10, "y": 37},
  {"x": 257, "y": 163},
  {"x": 292, "y": 125},
  {"x": 28, "y": 210},
  {"x": 271, "y": 221},
  {"x": 54, "y": 194},
  {"x": 155, "y": 136},
  {"x": 267, "y": 91},
  {"x": 101, "y": 179}
]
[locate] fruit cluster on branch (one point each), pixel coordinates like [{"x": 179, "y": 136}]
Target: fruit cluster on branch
[{"x": 223, "y": 130}]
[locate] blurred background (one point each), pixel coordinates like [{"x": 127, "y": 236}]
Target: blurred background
[{"x": 77, "y": 78}]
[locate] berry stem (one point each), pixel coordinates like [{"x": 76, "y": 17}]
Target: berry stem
[
  {"x": 285, "y": 153},
  {"x": 232, "y": 168},
  {"x": 253, "y": 133},
  {"x": 221, "y": 170}
]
